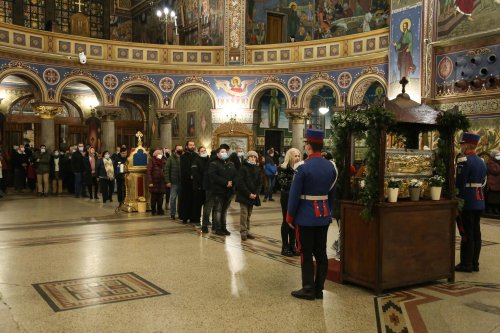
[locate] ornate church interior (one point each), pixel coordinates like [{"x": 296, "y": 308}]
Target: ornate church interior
[{"x": 394, "y": 86}]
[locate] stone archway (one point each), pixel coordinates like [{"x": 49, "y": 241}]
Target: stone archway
[
  {"x": 141, "y": 83},
  {"x": 92, "y": 83},
  {"x": 361, "y": 85},
  {"x": 260, "y": 90},
  {"x": 190, "y": 86},
  {"x": 308, "y": 91},
  {"x": 40, "y": 92}
]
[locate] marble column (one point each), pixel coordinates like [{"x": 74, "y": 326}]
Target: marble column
[
  {"x": 108, "y": 114},
  {"x": 47, "y": 112},
  {"x": 166, "y": 116},
  {"x": 298, "y": 118}
]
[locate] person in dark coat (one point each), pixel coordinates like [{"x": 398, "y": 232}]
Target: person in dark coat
[
  {"x": 247, "y": 192},
  {"x": 186, "y": 196},
  {"x": 41, "y": 160},
  {"x": 470, "y": 180},
  {"x": 20, "y": 165},
  {"x": 286, "y": 171},
  {"x": 106, "y": 174},
  {"x": 57, "y": 165},
  {"x": 89, "y": 172},
  {"x": 120, "y": 164},
  {"x": 199, "y": 169},
  {"x": 156, "y": 182},
  {"x": 237, "y": 157},
  {"x": 222, "y": 176},
  {"x": 77, "y": 168},
  {"x": 493, "y": 183}
]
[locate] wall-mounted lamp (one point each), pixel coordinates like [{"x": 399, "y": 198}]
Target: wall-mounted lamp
[{"x": 167, "y": 16}]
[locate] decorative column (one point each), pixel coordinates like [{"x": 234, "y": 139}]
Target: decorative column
[
  {"x": 165, "y": 116},
  {"x": 47, "y": 112},
  {"x": 298, "y": 117},
  {"x": 108, "y": 114},
  {"x": 234, "y": 40}
]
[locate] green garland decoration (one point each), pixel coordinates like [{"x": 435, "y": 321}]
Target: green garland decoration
[
  {"x": 372, "y": 120},
  {"x": 378, "y": 119},
  {"x": 343, "y": 124},
  {"x": 449, "y": 123}
]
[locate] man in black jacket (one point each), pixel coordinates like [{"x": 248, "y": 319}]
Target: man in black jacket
[
  {"x": 247, "y": 192},
  {"x": 221, "y": 174},
  {"x": 120, "y": 163},
  {"x": 186, "y": 195},
  {"x": 77, "y": 168},
  {"x": 199, "y": 169}
]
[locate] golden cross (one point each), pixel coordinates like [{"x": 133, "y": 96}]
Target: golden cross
[
  {"x": 139, "y": 136},
  {"x": 79, "y": 4}
]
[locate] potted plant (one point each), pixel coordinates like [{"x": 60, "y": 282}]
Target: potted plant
[
  {"x": 436, "y": 184},
  {"x": 414, "y": 187},
  {"x": 393, "y": 189}
]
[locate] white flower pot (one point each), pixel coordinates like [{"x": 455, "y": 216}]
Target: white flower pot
[
  {"x": 435, "y": 193},
  {"x": 392, "y": 194},
  {"x": 414, "y": 193}
]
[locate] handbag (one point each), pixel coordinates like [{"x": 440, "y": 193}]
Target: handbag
[{"x": 257, "y": 201}]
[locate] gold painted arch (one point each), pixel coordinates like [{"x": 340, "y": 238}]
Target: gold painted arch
[
  {"x": 259, "y": 91},
  {"x": 90, "y": 82},
  {"x": 190, "y": 86},
  {"x": 146, "y": 84},
  {"x": 360, "y": 87},
  {"x": 40, "y": 92},
  {"x": 307, "y": 92}
]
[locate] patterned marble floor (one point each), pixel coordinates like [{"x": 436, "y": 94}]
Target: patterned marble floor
[{"x": 69, "y": 265}]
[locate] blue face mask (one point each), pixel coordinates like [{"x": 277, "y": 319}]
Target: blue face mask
[{"x": 224, "y": 156}]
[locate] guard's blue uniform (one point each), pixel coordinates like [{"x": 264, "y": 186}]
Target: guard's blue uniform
[
  {"x": 471, "y": 177},
  {"x": 316, "y": 177},
  {"x": 309, "y": 208}
]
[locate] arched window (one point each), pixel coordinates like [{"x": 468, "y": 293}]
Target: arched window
[
  {"x": 34, "y": 14},
  {"x": 6, "y": 13},
  {"x": 94, "y": 9}
]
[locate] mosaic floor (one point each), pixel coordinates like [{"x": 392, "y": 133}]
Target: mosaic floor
[
  {"x": 79, "y": 293},
  {"x": 64, "y": 264}
]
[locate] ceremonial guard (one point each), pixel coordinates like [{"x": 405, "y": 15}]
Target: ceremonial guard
[
  {"x": 471, "y": 178},
  {"x": 309, "y": 212}
]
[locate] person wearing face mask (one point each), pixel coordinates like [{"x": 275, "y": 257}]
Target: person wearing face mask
[
  {"x": 237, "y": 157},
  {"x": 120, "y": 164},
  {"x": 20, "y": 164},
  {"x": 156, "y": 182},
  {"x": 222, "y": 175},
  {"x": 271, "y": 171},
  {"x": 89, "y": 172},
  {"x": 186, "y": 195},
  {"x": 493, "y": 183},
  {"x": 470, "y": 180},
  {"x": 173, "y": 179},
  {"x": 77, "y": 169},
  {"x": 286, "y": 171},
  {"x": 41, "y": 160},
  {"x": 199, "y": 169},
  {"x": 247, "y": 192},
  {"x": 105, "y": 170},
  {"x": 56, "y": 172}
]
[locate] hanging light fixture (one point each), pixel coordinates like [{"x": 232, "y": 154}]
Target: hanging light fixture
[{"x": 323, "y": 108}]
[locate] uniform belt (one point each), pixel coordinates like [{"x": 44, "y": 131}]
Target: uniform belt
[
  {"x": 473, "y": 185},
  {"x": 314, "y": 197}
]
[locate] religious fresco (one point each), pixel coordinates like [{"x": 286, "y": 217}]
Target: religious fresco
[
  {"x": 374, "y": 94},
  {"x": 272, "y": 107},
  {"x": 120, "y": 28},
  {"x": 201, "y": 22},
  {"x": 310, "y": 19},
  {"x": 405, "y": 51},
  {"x": 464, "y": 17}
]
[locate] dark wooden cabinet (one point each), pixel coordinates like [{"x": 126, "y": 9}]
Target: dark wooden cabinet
[{"x": 405, "y": 243}]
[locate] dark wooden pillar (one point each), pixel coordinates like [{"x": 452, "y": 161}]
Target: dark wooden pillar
[{"x": 106, "y": 19}]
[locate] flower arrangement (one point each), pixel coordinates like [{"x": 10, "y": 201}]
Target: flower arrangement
[
  {"x": 394, "y": 183},
  {"x": 415, "y": 183},
  {"x": 436, "y": 181}
]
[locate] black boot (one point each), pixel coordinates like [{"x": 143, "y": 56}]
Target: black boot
[
  {"x": 304, "y": 293},
  {"x": 307, "y": 291},
  {"x": 319, "y": 281},
  {"x": 285, "y": 251}
]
